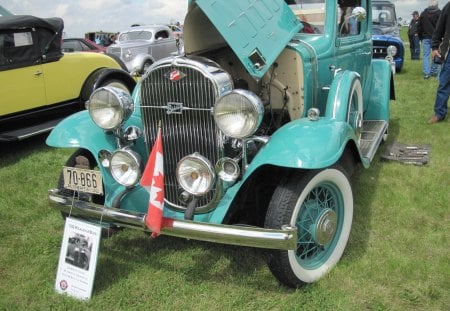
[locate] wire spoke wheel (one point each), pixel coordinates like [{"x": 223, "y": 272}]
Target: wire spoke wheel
[{"x": 320, "y": 204}]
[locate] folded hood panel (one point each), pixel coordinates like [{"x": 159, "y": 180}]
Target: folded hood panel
[{"x": 256, "y": 30}]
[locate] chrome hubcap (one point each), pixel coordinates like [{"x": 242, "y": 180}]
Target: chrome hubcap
[{"x": 325, "y": 227}]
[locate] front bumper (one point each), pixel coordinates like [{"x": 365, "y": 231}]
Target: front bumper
[{"x": 285, "y": 239}]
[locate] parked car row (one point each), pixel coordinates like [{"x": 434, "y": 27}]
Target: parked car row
[
  {"x": 140, "y": 46},
  {"x": 81, "y": 45}
]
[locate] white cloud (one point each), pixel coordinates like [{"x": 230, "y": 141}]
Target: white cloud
[{"x": 81, "y": 16}]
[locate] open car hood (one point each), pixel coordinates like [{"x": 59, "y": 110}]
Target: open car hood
[{"x": 257, "y": 31}]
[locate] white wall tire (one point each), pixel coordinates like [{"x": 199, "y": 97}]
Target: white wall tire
[{"x": 320, "y": 204}]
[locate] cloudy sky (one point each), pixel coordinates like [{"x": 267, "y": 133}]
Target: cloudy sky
[{"x": 81, "y": 16}]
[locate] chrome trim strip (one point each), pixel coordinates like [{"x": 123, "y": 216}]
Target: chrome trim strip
[{"x": 284, "y": 239}]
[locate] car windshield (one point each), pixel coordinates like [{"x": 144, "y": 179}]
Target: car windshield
[
  {"x": 311, "y": 13},
  {"x": 4, "y": 12},
  {"x": 135, "y": 35},
  {"x": 383, "y": 14}
]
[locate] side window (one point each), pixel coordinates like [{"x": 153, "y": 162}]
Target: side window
[
  {"x": 161, "y": 35},
  {"x": 348, "y": 24},
  {"x": 17, "y": 49},
  {"x": 69, "y": 46},
  {"x": 84, "y": 46}
]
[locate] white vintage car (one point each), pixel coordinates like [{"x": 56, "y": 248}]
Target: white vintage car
[{"x": 140, "y": 46}]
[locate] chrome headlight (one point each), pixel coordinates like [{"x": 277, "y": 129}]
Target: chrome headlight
[
  {"x": 109, "y": 107},
  {"x": 238, "y": 113},
  {"x": 125, "y": 167},
  {"x": 195, "y": 174},
  {"x": 391, "y": 50}
]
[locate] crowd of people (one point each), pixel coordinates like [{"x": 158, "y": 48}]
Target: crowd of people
[
  {"x": 105, "y": 39},
  {"x": 431, "y": 30}
]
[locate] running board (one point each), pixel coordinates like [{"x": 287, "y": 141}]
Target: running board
[
  {"x": 372, "y": 136},
  {"x": 26, "y": 132}
]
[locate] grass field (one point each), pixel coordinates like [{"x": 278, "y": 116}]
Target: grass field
[{"x": 398, "y": 256}]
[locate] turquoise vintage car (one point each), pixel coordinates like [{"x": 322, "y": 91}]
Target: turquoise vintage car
[{"x": 261, "y": 123}]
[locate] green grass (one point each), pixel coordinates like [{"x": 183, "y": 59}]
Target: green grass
[{"x": 398, "y": 256}]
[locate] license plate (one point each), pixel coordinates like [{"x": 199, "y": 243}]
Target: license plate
[{"x": 82, "y": 180}]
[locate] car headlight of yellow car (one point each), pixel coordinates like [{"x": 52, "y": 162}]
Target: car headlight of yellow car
[{"x": 109, "y": 107}]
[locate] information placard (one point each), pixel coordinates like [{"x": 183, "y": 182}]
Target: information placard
[{"x": 78, "y": 259}]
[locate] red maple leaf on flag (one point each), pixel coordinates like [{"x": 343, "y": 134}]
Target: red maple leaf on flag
[{"x": 153, "y": 181}]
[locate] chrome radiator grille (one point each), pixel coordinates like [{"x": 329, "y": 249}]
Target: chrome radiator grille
[{"x": 184, "y": 109}]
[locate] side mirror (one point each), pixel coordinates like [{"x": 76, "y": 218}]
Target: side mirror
[{"x": 359, "y": 13}]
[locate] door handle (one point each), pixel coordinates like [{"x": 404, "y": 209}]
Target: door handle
[{"x": 38, "y": 73}]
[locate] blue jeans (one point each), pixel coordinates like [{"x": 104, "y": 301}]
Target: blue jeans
[
  {"x": 429, "y": 67},
  {"x": 414, "y": 45},
  {"x": 443, "y": 91}
]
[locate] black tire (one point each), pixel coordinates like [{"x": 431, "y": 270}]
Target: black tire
[
  {"x": 116, "y": 83},
  {"x": 320, "y": 204}
]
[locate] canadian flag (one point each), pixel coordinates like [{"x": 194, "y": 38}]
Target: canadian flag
[{"x": 153, "y": 181}]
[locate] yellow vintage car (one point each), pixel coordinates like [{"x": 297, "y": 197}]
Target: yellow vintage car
[{"x": 39, "y": 84}]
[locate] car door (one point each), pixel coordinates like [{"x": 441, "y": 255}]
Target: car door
[
  {"x": 353, "y": 39},
  {"x": 21, "y": 79},
  {"x": 163, "y": 45}
]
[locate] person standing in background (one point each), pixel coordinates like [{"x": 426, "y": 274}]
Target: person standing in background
[
  {"x": 427, "y": 23},
  {"x": 413, "y": 35},
  {"x": 440, "y": 46}
]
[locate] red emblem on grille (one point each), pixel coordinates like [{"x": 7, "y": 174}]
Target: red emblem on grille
[{"x": 176, "y": 75}]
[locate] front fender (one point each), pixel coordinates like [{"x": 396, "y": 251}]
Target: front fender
[
  {"x": 305, "y": 144},
  {"x": 137, "y": 64},
  {"x": 79, "y": 131},
  {"x": 381, "y": 91}
]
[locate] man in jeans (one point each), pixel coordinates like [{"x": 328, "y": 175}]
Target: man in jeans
[
  {"x": 413, "y": 35},
  {"x": 427, "y": 23},
  {"x": 440, "y": 45}
]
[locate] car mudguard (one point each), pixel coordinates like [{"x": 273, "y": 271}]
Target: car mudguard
[
  {"x": 305, "y": 144},
  {"x": 79, "y": 131},
  {"x": 137, "y": 64},
  {"x": 100, "y": 76},
  {"x": 308, "y": 144},
  {"x": 381, "y": 91}
]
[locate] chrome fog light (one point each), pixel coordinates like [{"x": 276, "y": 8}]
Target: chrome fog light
[
  {"x": 125, "y": 167},
  {"x": 109, "y": 107},
  {"x": 238, "y": 113},
  {"x": 228, "y": 170},
  {"x": 195, "y": 174},
  {"x": 391, "y": 50}
]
